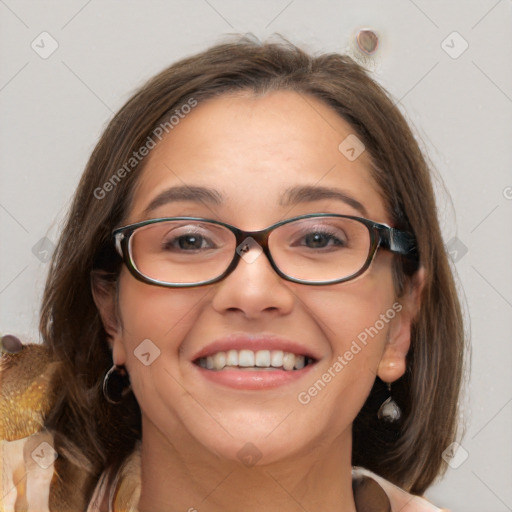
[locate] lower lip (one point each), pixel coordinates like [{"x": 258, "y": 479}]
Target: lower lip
[{"x": 253, "y": 379}]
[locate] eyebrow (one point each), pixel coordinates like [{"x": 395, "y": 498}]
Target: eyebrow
[
  {"x": 310, "y": 193},
  {"x": 291, "y": 196},
  {"x": 185, "y": 193}
]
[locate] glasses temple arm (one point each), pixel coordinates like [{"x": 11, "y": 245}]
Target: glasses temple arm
[
  {"x": 400, "y": 242},
  {"x": 118, "y": 237}
]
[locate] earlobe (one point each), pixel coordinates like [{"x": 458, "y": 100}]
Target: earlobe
[
  {"x": 104, "y": 294},
  {"x": 393, "y": 362}
]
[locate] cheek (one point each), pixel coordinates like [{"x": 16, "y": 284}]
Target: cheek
[
  {"x": 155, "y": 313},
  {"x": 155, "y": 321},
  {"x": 355, "y": 316}
]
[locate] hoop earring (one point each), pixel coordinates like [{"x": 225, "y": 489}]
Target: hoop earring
[
  {"x": 389, "y": 410},
  {"x": 116, "y": 384}
]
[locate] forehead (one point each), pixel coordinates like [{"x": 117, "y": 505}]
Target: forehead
[{"x": 252, "y": 148}]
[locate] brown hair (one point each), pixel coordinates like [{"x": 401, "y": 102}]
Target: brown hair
[{"x": 408, "y": 455}]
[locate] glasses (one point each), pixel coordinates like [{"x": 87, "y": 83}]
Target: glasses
[{"x": 313, "y": 249}]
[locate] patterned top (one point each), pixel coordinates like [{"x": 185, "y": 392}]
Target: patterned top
[{"x": 28, "y": 468}]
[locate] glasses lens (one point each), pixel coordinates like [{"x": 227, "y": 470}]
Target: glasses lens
[
  {"x": 182, "y": 251},
  {"x": 320, "y": 248}
]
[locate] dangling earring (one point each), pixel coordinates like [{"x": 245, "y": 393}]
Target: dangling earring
[
  {"x": 116, "y": 384},
  {"x": 389, "y": 410}
]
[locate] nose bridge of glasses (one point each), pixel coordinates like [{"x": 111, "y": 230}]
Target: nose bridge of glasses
[{"x": 250, "y": 244}]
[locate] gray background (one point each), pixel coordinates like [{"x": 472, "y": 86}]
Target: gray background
[{"x": 52, "y": 111}]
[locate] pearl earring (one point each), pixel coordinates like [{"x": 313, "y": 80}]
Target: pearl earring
[{"x": 389, "y": 410}]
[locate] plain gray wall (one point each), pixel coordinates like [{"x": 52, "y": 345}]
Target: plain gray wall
[{"x": 53, "y": 110}]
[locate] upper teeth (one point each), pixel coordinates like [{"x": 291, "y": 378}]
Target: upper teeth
[{"x": 249, "y": 358}]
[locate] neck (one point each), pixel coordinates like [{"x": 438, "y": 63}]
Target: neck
[{"x": 184, "y": 476}]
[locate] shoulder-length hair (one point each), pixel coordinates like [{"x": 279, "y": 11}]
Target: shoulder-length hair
[{"x": 409, "y": 455}]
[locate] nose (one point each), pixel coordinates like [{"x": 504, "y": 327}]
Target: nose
[{"x": 253, "y": 288}]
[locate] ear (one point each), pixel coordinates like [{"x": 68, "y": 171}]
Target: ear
[
  {"x": 104, "y": 294},
  {"x": 393, "y": 362}
]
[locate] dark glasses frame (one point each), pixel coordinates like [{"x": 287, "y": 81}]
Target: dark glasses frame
[{"x": 381, "y": 235}]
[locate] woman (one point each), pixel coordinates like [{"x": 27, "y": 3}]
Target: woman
[{"x": 250, "y": 303}]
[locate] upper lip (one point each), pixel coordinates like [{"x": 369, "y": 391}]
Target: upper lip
[{"x": 254, "y": 342}]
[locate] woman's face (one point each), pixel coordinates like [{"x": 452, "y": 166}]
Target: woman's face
[{"x": 251, "y": 151}]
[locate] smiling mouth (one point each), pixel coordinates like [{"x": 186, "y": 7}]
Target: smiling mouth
[{"x": 261, "y": 360}]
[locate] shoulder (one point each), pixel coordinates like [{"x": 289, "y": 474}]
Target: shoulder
[
  {"x": 399, "y": 499},
  {"x": 125, "y": 489}
]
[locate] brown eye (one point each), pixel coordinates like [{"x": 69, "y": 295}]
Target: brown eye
[
  {"x": 321, "y": 239},
  {"x": 186, "y": 242}
]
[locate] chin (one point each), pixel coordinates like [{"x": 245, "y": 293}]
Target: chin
[{"x": 250, "y": 451}]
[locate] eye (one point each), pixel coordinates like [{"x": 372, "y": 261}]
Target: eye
[
  {"x": 319, "y": 235},
  {"x": 186, "y": 242},
  {"x": 187, "y": 239},
  {"x": 320, "y": 239}
]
